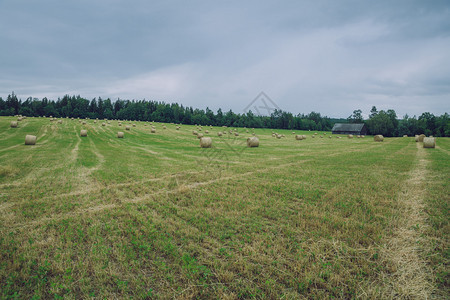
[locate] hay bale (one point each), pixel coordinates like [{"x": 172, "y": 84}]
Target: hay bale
[
  {"x": 120, "y": 135},
  {"x": 236, "y": 133},
  {"x": 153, "y": 130},
  {"x": 199, "y": 135},
  {"x": 429, "y": 142},
  {"x": 127, "y": 127},
  {"x": 83, "y": 132},
  {"x": 315, "y": 133},
  {"x": 421, "y": 137},
  {"x": 279, "y": 136},
  {"x": 273, "y": 135},
  {"x": 13, "y": 124},
  {"x": 103, "y": 124},
  {"x": 304, "y": 137},
  {"x": 164, "y": 127},
  {"x": 350, "y": 136},
  {"x": 205, "y": 142},
  {"x": 253, "y": 142},
  {"x": 95, "y": 122},
  {"x": 19, "y": 119},
  {"x": 219, "y": 133},
  {"x": 30, "y": 139},
  {"x": 313, "y": 136},
  {"x": 416, "y": 138},
  {"x": 405, "y": 135},
  {"x": 84, "y": 123},
  {"x": 134, "y": 125},
  {"x": 206, "y": 131},
  {"x": 378, "y": 138},
  {"x": 194, "y": 132},
  {"x": 330, "y": 136}
]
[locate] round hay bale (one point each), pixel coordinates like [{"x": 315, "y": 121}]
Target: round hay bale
[
  {"x": 421, "y": 137},
  {"x": 95, "y": 122},
  {"x": 293, "y": 132},
  {"x": 253, "y": 133},
  {"x": 83, "y": 132},
  {"x": 429, "y": 142},
  {"x": 84, "y": 123},
  {"x": 199, "y": 135},
  {"x": 273, "y": 135},
  {"x": 205, "y": 142},
  {"x": 330, "y": 136},
  {"x": 321, "y": 136},
  {"x": 127, "y": 127},
  {"x": 164, "y": 127},
  {"x": 120, "y": 135},
  {"x": 206, "y": 131},
  {"x": 362, "y": 136},
  {"x": 153, "y": 130},
  {"x": 134, "y": 125},
  {"x": 13, "y": 124},
  {"x": 279, "y": 136},
  {"x": 313, "y": 136},
  {"x": 315, "y": 133},
  {"x": 304, "y": 137},
  {"x": 416, "y": 138},
  {"x": 253, "y": 142},
  {"x": 194, "y": 132},
  {"x": 178, "y": 127},
  {"x": 19, "y": 119},
  {"x": 103, "y": 124},
  {"x": 378, "y": 138},
  {"x": 219, "y": 133},
  {"x": 405, "y": 135},
  {"x": 30, "y": 139},
  {"x": 299, "y": 137},
  {"x": 350, "y": 136},
  {"x": 236, "y": 133}
]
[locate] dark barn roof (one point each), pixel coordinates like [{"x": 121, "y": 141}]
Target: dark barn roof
[{"x": 345, "y": 128}]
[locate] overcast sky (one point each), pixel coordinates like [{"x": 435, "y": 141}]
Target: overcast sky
[{"x": 326, "y": 56}]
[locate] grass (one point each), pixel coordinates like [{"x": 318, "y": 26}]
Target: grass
[{"x": 156, "y": 216}]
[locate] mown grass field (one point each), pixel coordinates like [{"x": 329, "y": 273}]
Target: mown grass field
[{"x": 156, "y": 216}]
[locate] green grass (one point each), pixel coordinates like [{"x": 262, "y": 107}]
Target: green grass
[{"x": 156, "y": 216}]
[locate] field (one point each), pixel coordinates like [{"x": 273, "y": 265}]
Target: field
[{"x": 153, "y": 215}]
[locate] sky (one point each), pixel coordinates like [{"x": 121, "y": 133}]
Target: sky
[{"x": 326, "y": 56}]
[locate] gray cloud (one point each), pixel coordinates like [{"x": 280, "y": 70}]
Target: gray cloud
[{"x": 326, "y": 56}]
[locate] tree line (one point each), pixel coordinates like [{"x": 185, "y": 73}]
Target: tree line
[
  {"x": 379, "y": 122},
  {"x": 387, "y": 123},
  {"x": 147, "y": 110}
]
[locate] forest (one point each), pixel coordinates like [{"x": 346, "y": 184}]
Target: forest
[{"x": 379, "y": 122}]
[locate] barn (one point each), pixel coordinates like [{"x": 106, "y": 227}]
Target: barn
[{"x": 345, "y": 128}]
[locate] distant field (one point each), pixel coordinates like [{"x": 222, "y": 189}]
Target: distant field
[{"x": 153, "y": 215}]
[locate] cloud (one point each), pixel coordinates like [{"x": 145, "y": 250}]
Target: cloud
[{"x": 326, "y": 56}]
